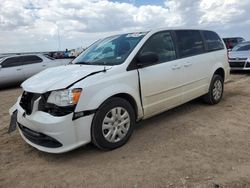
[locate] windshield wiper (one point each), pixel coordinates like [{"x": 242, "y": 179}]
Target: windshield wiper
[
  {"x": 103, "y": 63},
  {"x": 83, "y": 63},
  {"x": 93, "y": 63}
]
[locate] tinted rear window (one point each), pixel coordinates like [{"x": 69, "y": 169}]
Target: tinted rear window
[
  {"x": 213, "y": 41},
  {"x": 189, "y": 42},
  {"x": 31, "y": 59}
]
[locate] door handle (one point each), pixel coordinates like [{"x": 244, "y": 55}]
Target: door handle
[
  {"x": 187, "y": 64},
  {"x": 174, "y": 67},
  {"x": 19, "y": 69},
  {"x": 44, "y": 65}
]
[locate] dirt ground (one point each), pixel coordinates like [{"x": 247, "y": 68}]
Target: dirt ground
[{"x": 194, "y": 145}]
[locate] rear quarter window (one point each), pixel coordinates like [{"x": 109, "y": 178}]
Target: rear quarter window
[{"x": 213, "y": 41}]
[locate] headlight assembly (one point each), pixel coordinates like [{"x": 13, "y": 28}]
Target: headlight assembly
[
  {"x": 60, "y": 102},
  {"x": 64, "y": 98}
]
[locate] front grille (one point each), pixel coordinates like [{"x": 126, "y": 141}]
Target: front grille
[
  {"x": 43, "y": 101},
  {"x": 248, "y": 65},
  {"x": 27, "y": 101},
  {"x": 237, "y": 64},
  {"x": 39, "y": 138}
]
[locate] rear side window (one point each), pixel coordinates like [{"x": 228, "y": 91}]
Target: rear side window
[
  {"x": 31, "y": 59},
  {"x": 189, "y": 43},
  {"x": 11, "y": 62},
  {"x": 161, "y": 44},
  {"x": 213, "y": 41}
]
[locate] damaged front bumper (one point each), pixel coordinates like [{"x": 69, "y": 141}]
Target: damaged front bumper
[
  {"x": 49, "y": 133},
  {"x": 13, "y": 114}
]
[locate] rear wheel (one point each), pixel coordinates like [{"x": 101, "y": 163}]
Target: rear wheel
[
  {"x": 216, "y": 89},
  {"x": 113, "y": 124}
]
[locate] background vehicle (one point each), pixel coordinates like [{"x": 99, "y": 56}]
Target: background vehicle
[
  {"x": 232, "y": 41},
  {"x": 239, "y": 57},
  {"x": 117, "y": 81},
  {"x": 17, "y": 68}
]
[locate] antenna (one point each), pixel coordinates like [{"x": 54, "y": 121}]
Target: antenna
[{"x": 59, "y": 40}]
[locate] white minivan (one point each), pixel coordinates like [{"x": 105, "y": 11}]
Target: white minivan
[{"x": 116, "y": 82}]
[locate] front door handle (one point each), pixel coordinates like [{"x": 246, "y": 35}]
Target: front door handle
[
  {"x": 187, "y": 64},
  {"x": 44, "y": 65},
  {"x": 19, "y": 69},
  {"x": 174, "y": 67}
]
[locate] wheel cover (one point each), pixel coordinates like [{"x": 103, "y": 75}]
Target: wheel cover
[
  {"x": 116, "y": 124},
  {"x": 217, "y": 90}
]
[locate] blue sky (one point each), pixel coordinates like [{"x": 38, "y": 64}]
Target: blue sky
[{"x": 27, "y": 25}]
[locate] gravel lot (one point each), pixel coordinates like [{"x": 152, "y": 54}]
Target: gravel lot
[{"x": 194, "y": 145}]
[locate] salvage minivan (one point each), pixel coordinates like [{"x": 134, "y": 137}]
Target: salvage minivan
[{"x": 116, "y": 82}]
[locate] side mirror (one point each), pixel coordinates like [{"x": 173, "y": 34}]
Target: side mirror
[{"x": 146, "y": 59}]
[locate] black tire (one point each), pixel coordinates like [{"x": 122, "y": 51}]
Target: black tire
[
  {"x": 96, "y": 129},
  {"x": 209, "y": 98}
]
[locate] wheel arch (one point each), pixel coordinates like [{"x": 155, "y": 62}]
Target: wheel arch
[
  {"x": 128, "y": 98},
  {"x": 220, "y": 71},
  {"x": 93, "y": 102}
]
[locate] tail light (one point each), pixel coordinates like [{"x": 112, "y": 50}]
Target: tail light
[{"x": 227, "y": 56}]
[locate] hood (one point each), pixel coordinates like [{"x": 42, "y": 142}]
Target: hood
[
  {"x": 58, "y": 77},
  {"x": 239, "y": 54}
]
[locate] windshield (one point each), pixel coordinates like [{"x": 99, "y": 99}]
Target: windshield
[
  {"x": 49, "y": 57},
  {"x": 2, "y": 58},
  {"x": 242, "y": 47},
  {"x": 110, "y": 51}
]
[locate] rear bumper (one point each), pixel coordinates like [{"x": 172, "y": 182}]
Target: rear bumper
[{"x": 53, "y": 134}]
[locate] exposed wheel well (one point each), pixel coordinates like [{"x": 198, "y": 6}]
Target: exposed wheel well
[
  {"x": 221, "y": 72},
  {"x": 130, "y": 99}
]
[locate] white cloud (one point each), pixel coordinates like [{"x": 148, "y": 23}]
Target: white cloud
[
  {"x": 223, "y": 11},
  {"x": 27, "y": 25}
]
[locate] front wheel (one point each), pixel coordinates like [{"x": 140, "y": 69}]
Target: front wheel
[
  {"x": 113, "y": 124},
  {"x": 216, "y": 89}
]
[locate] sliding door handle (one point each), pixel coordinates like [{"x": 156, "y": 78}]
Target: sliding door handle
[
  {"x": 175, "y": 67},
  {"x": 187, "y": 64}
]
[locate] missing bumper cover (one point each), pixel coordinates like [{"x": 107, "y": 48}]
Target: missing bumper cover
[{"x": 39, "y": 138}]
